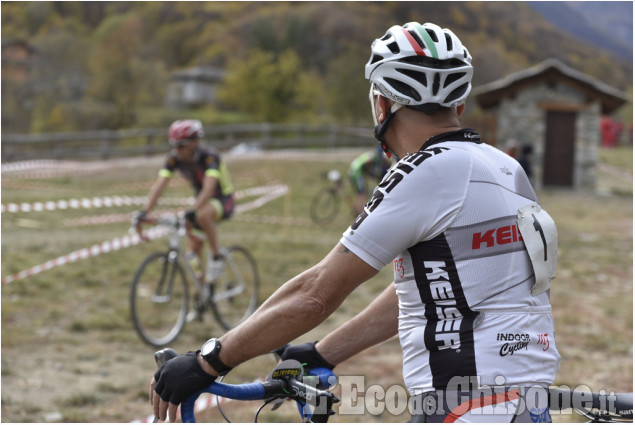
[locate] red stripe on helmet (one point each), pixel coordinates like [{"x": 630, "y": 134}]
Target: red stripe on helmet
[{"x": 414, "y": 43}]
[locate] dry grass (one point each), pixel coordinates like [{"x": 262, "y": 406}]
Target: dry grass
[{"x": 69, "y": 352}]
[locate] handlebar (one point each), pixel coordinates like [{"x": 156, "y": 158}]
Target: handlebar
[
  {"x": 173, "y": 222},
  {"x": 286, "y": 381},
  {"x": 598, "y": 407}
]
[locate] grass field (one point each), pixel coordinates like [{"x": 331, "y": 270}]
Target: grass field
[{"x": 69, "y": 351}]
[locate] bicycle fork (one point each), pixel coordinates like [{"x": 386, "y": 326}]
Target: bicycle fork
[{"x": 163, "y": 295}]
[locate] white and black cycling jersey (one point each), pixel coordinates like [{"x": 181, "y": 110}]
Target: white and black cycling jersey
[{"x": 446, "y": 217}]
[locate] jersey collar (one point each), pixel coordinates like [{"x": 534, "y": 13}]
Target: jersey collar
[{"x": 463, "y": 135}]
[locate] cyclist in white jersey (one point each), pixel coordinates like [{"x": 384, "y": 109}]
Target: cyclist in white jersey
[{"x": 472, "y": 251}]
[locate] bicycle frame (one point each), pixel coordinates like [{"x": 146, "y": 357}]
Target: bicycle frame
[{"x": 177, "y": 231}]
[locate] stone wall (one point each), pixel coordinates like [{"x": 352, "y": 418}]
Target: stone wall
[{"x": 520, "y": 118}]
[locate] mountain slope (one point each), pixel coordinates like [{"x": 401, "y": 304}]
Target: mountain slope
[{"x": 606, "y": 24}]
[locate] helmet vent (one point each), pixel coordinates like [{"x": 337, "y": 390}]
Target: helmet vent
[
  {"x": 428, "y": 62},
  {"x": 416, "y": 36},
  {"x": 376, "y": 58},
  {"x": 433, "y": 35},
  {"x": 394, "y": 47},
  {"x": 448, "y": 41},
  {"x": 452, "y": 78},
  {"x": 436, "y": 84},
  {"x": 403, "y": 88},
  {"x": 456, "y": 93},
  {"x": 415, "y": 75}
]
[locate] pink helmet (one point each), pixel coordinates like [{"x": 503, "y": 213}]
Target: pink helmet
[{"x": 185, "y": 130}]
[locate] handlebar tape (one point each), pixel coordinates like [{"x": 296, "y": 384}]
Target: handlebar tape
[{"x": 253, "y": 391}]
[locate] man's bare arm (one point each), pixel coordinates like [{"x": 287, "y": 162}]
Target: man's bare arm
[
  {"x": 297, "y": 306},
  {"x": 376, "y": 323},
  {"x": 155, "y": 192}
]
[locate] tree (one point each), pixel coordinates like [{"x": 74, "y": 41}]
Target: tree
[
  {"x": 270, "y": 88},
  {"x": 347, "y": 89},
  {"x": 124, "y": 73}
]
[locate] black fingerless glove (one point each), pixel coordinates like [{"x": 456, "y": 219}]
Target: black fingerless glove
[
  {"x": 181, "y": 377},
  {"x": 307, "y": 355}
]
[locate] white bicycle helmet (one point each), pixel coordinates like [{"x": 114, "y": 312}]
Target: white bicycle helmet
[{"x": 419, "y": 64}]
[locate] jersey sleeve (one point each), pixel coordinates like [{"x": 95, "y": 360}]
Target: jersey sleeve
[
  {"x": 168, "y": 167},
  {"x": 212, "y": 166},
  {"x": 216, "y": 168},
  {"x": 416, "y": 201}
]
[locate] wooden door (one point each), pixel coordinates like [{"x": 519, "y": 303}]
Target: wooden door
[{"x": 559, "y": 149}]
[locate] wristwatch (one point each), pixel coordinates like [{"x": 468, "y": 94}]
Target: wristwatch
[{"x": 210, "y": 351}]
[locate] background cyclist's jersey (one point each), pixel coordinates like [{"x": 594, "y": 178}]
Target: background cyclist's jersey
[
  {"x": 369, "y": 163},
  {"x": 206, "y": 162},
  {"x": 445, "y": 216}
]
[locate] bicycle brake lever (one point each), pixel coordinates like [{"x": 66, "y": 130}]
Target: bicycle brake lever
[
  {"x": 164, "y": 355},
  {"x": 161, "y": 357}
]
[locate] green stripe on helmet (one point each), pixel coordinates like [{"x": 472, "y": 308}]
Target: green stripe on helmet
[{"x": 427, "y": 40}]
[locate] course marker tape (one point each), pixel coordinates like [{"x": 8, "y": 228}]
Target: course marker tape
[
  {"x": 117, "y": 201},
  {"x": 130, "y": 240},
  {"x": 93, "y": 251}
]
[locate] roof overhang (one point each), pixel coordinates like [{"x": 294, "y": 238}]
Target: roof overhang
[{"x": 551, "y": 71}]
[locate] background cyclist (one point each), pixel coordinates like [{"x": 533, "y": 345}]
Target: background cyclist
[
  {"x": 204, "y": 168},
  {"x": 371, "y": 164},
  {"x": 468, "y": 301}
]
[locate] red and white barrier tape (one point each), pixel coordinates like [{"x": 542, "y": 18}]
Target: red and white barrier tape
[
  {"x": 108, "y": 218},
  {"x": 106, "y": 201},
  {"x": 37, "y": 165},
  {"x": 117, "y": 201},
  {"x": 42, "y": 169},
  {"x": 126, "y": 241},
  {"x": 82, "y": 254}
]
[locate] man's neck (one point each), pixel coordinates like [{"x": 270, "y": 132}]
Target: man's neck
[{"x": 411, "y": 130}]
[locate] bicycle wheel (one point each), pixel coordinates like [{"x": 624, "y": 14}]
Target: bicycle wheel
[
  {"x": 324, "y": 205},
  {"x": 235, "y": 294},
  {"x": 159, "y": 299}
]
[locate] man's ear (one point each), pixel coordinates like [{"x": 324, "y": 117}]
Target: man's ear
[
  {"x": 460, "y": 109},
  {"x": 383, "y": 106}
]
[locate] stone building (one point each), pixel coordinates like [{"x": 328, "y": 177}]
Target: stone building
[
  {"x": 193, "y": 87},
  {"x": 556, "y": 110}
]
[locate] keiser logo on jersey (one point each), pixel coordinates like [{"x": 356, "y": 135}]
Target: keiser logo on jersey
[
  {"x": 449, "y": 324},
  {"x": 500, "y": 236}
]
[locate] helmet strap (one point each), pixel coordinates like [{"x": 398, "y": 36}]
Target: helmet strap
[{"x": 380, "y": 129}]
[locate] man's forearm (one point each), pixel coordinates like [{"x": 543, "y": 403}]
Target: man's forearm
[
  {"x": 375, "y": 324},
  {"x": 155, "y": 192},
  {"x": 296, "y": 307}
]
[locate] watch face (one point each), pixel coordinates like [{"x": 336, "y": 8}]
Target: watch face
[{"x": 208, "y": 347}]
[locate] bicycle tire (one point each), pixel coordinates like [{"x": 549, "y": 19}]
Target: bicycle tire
[
  {"x": 234, "y": 297},
  {"x": 324, "y": 205},
  {"x": 159, "y": 299}
]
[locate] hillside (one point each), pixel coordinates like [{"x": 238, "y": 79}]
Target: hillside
[
  {"x": 105, "y": 65},
  {"x": 607, "y": 25}
]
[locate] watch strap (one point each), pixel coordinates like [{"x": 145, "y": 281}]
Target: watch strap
[{"x": 213, "y": 359}]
